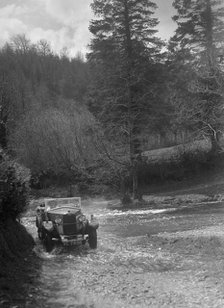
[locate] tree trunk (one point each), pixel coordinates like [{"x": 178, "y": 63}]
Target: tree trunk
[
  {"x": 137, "y": 194},
  {"x": 215, "y": 143},
  {"x": 125, "y": 196},
  {"x": 135, "y": 183}
]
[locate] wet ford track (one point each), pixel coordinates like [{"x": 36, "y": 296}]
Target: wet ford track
[{"x": 136, "y": 263}]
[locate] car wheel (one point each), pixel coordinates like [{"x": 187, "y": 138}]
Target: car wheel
[
  {"x": 41, "y": 233},
  {"x": 48, "y": 242},
  {"x": 92, "y": 238},
  {"x": 37, "y": 222}
]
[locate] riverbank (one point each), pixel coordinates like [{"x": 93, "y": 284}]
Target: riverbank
[{"x": 15, "y": 255}]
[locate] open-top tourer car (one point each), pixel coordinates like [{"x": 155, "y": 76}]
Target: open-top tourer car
[{"x": 61, "y": 220}]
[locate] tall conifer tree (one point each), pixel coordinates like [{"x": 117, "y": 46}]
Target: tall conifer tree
[
  {"x": 123, "y": 48},
  {"x": 199, "y": 46}
]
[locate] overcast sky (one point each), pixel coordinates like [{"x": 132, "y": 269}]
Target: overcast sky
[{"x": 64, "y": 23}]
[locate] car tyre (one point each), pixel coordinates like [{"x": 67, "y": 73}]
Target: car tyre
[
  {"x": 48, "y": 242},
  {"x": 40, "y": 229},
  {"x": 92, "y": 238},
  {"x": 40, "y": 234}
]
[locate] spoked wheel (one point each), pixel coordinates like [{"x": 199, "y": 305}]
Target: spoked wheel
[
  {"x": 48, "y": 242},
  {"x": 92, "y": 238}
]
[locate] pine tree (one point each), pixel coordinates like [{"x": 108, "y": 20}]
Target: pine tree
[
  {"x": 198, "y": 45},
  {"x": 123, "y": 49}
]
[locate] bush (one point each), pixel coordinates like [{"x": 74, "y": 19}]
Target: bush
[{"x": 15, "y": 188}]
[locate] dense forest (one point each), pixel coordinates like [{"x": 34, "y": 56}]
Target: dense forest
[{"x": 88, "y": 120}]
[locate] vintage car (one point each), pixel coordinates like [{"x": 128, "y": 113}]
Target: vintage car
[{"x": 61, "y": 220}]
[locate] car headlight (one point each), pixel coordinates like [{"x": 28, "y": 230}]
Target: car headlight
[
  {"x": 58, "y": 221},
  {"x": 48, "y": 225},
  {"x": 81, "y": 218}
]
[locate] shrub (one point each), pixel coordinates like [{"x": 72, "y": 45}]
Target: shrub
[{"x": 15, "y": 188}]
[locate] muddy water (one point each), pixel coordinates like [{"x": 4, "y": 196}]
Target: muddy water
[{"x": 120, "y": 272}]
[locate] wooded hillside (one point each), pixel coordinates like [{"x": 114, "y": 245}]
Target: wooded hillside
[{"x": 85, "y": 121}]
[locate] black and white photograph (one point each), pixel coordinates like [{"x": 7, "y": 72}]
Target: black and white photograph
[{"x": 111, "y": 153}]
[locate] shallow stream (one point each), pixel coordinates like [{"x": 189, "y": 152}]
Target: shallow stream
[{"x": 120, "y": 272}]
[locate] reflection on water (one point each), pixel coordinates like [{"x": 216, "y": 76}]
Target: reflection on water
[{"x": 134, "y": 212}]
